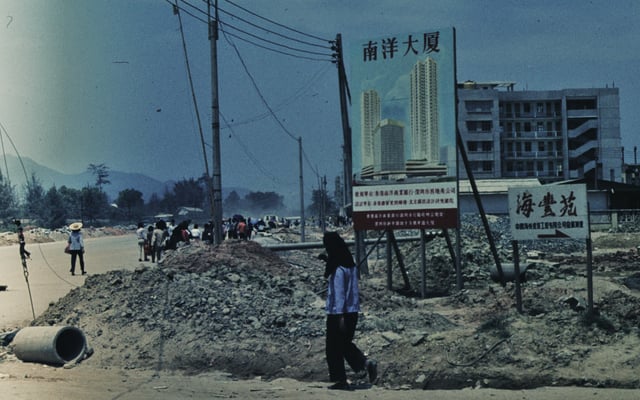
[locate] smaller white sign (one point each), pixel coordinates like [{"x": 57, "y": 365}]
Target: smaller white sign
[{"x": 549, "y": 212}]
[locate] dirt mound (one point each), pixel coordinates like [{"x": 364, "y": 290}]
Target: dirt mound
[{"x": 241, "y": 308}]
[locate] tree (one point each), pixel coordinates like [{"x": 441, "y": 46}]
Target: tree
[
  {"x": 131, "y": 201},
  {"x": 34, "y": 206},
  {"x": 232, "y": 202},
  {"x": 94, "y": 203},
  {"x": 7, "y": 199},
  {"x": 188, "y": 193},
  {"x": 154, "y": 205},
  {"x": 321, "y": 203},
  {"x": 55, "y": 212},
  {"x": 101, "y": 173},
  {"x": 72, "y": 201},
  {"x": 264, "y": 201}
]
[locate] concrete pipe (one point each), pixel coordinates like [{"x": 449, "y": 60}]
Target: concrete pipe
[
  {"x": 56, "y": 345},
  {"x": 509, "y": 272}
]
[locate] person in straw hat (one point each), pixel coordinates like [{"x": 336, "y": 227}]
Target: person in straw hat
[{"x": 76, "y": 247}]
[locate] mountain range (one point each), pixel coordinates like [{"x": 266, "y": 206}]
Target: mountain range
[{"x": 12, "y": 169}]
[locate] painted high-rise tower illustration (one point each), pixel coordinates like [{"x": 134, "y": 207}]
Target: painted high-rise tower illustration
[
  {"x": 369, "y": 120},
  {"x": 425, "y": 141}
]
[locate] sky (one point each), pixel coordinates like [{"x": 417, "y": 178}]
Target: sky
[{"x": 105, "y": 81}]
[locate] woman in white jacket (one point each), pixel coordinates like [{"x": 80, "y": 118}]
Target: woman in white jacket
[{"x": 342, "y": 308}]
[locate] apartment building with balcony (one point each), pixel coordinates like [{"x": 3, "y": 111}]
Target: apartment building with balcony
[{"x": 550, "y": 135}]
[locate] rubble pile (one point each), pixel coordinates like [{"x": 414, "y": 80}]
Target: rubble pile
[{"x": 241, "y": 308}]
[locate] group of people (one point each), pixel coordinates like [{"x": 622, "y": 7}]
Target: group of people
[{"x": 152, "y": 241}]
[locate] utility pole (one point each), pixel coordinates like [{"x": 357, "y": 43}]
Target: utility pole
[
  {"x": 346, "y": 128},
  {"x": 345, "y": 96},
  {"x": 216, "y": 204},
  {"x": 302, "y": 232}
]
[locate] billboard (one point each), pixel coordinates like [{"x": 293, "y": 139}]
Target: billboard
[
  {"x": 549, "y": 212},
  {"x": 403, "y": 115},
  {"x": 431, "y": 205}
]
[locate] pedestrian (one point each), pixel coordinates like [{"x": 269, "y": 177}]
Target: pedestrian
[
  {"x": 24, "y": 254},
  {"x": 149, "y": 245},
  {"x": 207, "y": 234},
  {"x": 159, "y": 236},
  {"x": 342, "y": 308},
  {"x": 76, "y": 247},
  {"x": 141, "y": 235},
  {"x": 195, "y": 232}
]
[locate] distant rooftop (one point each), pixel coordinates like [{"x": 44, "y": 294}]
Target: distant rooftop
[
  {"x": 495, "y": 85},
  {"x": 497, "y": 185}
]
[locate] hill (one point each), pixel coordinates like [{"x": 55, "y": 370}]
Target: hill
[{"x": 119, "y": 180}]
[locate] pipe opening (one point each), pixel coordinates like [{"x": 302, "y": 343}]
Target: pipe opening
[{"x": 70, "y": 344}]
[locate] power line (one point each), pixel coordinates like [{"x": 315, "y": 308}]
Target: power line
[
  {"x": 279, "y": 24},
  {"x": 251, "y": 157},
  {"x": 298, "y": 94},
  {"x": 273, "y": 42},
  {"x": 255, "y": 86},
  {"x": 264, "y": 101},
  {"x": 206, "y": 15},
  {"x": 323, "y": 46},
  {"x": 274, "y": 50}
]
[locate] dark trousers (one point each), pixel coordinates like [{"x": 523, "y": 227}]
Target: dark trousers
[
  {"x": 340, "y": 347},
  {"x": 78, "y": 254}
]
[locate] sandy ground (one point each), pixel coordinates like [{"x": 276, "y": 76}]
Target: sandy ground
[{"x": 20, "y": 380}]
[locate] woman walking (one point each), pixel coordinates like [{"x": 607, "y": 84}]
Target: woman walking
[{"x": 342, "y": 307}]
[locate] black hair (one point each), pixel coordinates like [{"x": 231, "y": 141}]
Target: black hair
[{"x": 338, "y": 253}]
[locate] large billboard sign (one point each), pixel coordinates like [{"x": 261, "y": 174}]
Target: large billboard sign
[
  {"x": 549, "y": 212},
  {"x": 403, "y": 114},
  {"x": 430, "y": 205}
]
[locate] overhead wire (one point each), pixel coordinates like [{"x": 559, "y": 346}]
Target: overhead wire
[
  {"x": 259, "y": 92},
  {"x": 225, "y": 27},
  {"x": 204, "y": 17},
  {"x": 324, "y": 46},
  {"x": 277, "y": 23},
  {"x": 251, "y": 157},
  {"x": 193, "y": 96},
  {"x": 298, "y": 94}
]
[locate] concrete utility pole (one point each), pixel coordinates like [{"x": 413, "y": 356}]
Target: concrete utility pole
[
  {"x": 216, "y": 206},
  {"x": 302, "y": 223}
]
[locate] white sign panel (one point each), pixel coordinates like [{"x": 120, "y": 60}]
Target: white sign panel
[
  {"x": 405, "y": 206},
  {"x": 549, "y": 212}
]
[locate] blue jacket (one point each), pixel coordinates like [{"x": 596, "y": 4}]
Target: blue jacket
[
  {"x": 75, "y": 241},
  {"x": 342, "y": 292}
]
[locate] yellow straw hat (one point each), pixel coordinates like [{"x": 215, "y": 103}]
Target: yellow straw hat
[{"x": 76, "y": 226}]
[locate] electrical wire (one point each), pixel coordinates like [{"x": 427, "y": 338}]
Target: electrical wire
[
  {"x": 255, "y": 86},
  {"x": 206, "y": 15},
  {"x": 195, "y": 103},
  {"x": 323, "y": 46},
  {"x": 276, "y": 44},
  {"x": 277, "y": 23},
  {"x": 245, "y": 148},
  {"x": 295, "y": 96},
  {"x": 264, "y": 101}
]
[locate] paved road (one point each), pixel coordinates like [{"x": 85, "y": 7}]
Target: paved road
[{"x": 49, "y": 276}]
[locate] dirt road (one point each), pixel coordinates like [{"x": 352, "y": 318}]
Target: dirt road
[{"x": 49, "y": 277}]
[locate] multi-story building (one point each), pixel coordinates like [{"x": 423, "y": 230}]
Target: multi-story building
[
  {"x": 549, "y": 135},
  {"x": 369, "y": 120},
  {"x": 388, "y": 159},
  {"x": 425, "y": 134}
]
